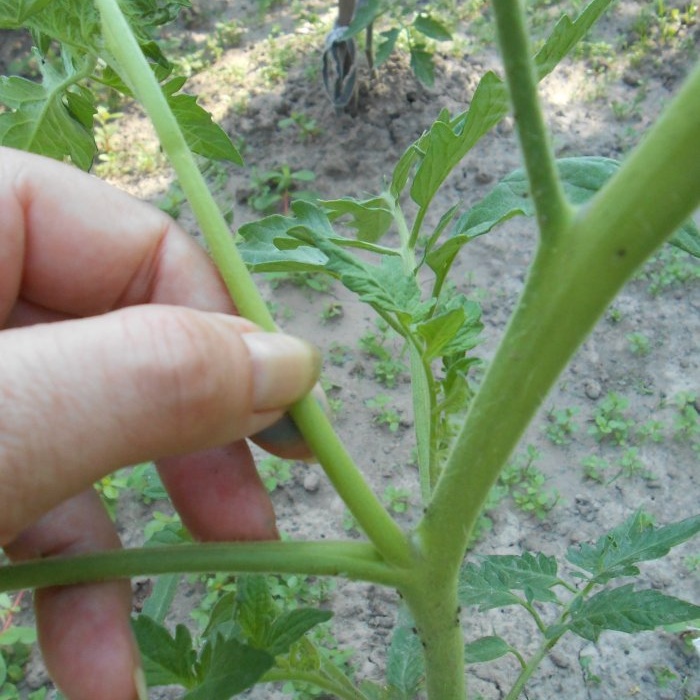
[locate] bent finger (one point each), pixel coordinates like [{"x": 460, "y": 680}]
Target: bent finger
[
  {"x": 84, "y": 631},
  {"x": 137, "y": 384}
]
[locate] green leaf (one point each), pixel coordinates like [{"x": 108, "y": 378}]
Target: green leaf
[
  {"x": 291, "y": 626},
  {"x": 18, "y": 634},
  {"x": 581, "y": 178},
  {"x": 625, "y": 610},
  {"x": 158, "y": 603},
  {"x": 491, "y": 584},
  {"x": 15, "y": 13},
  {"x": 616, "y": 553},
  {"x": 365, "y": 14},
  {"x": 166, "y": 660},
  {"x": 485, "y": 649},
  {"x": 371, "y": 218},
  {"x": 449, "y": 140},
  {"x": 431, "y": 28},
  {"x": 405, "y": 668},
  {"x": 228, "y": 667},
  {"x": 255, "y": 609},
  {"x": 40, "y": 117},
  {"x": 386, "y": 46},
  {"x": 422, "y": 65},
  {"x": 203, "y": 135},
  {"x": 565, "y": 35}
]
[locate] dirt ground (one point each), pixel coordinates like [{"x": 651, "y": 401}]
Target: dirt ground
[{"x": 644, "y": 349}]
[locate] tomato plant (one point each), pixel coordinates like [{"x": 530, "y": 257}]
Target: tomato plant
[{"x": 598, "y": 221}]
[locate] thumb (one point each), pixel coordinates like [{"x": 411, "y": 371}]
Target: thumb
[{"x": 84, "y": 397}]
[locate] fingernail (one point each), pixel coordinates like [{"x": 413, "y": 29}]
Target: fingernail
[
  {"x": 140, "y": 683},
  {"x": 285, "y": 368}
]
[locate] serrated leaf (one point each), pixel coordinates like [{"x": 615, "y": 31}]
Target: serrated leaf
[
  {"x": 371, "y": 218},
  {"x": 291, "y": 626},
  {"x": 40, "y": 119},
  {"x": 203, "y": 135},
  {"x": 386, "y": 46},
  {"x": 616, "y": 553},
  {"x": 255, "y": 609},
  {"x": 230, "y": 668},
  {"x": 491, "y": 584},
  {"x": 565, "y": 35},
  {"x": 365, "y": 13},
  {"x": 15, "y": 13},
  {"x": 405, "y": 663},
  {"x": 422, "y": 65},
  {"x": 166, "y": 660},
  {"x": 431, "y": 28},
  {"x": 485, "y": 649},
  {"x": 625, "y": 610},
  {"x": 449, "y": 140},
  {"x": 158, "y": 603}
]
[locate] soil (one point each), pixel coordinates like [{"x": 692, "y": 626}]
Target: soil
[{"x": 599, "y": 103}]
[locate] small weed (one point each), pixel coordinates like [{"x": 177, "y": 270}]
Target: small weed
[
  {"x": 664, "y": 676},
  {"x": 631, "y": 464},
  {"x": 686, "y": 425},
  {"x": 332, "y": 312},
  {"x": 639, "y": 344},
  {"x": 653, "y": 431},
  {"x": 610, "y": 422},
  {"x": 274, "y": 472},
  {"x": 692, "y": 562},
  {"x": 614, "y": 315},
  {"x": 272, "y": 189},
  {"x": 670, "y": 268},
  {"x": 589, "y": 677},
  {"x": 387, "y": 370},
  {"x": 525, "y": 483},
  {"x": 595, "y": 468},
  {"x": 384, "y": 413},
  {"x": 307, "y": 127},
  {"x": 560, "y": 426},
  {"x": 314, "y": 281},
  {"x": 397, "y": 499},
  {"x": 339, "y": 354}
]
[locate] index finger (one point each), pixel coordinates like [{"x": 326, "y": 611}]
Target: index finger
[{"x": 77, "y": 246}]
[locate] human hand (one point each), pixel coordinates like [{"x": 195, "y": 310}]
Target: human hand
[{"x": 118, "y": 346}]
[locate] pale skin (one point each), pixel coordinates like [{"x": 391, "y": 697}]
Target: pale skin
[{"x": 119, "y": 345}]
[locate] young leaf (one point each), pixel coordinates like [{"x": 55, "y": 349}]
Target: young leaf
[
  {"x": 255, "y": 609},
  {"x": 228, "y": 668},
  {"x": 40, "y": 117},
  {"x": 203, "y": 135},
  {"x": 158, "y": 603},
  {"x": 166, "y": 660},
  {"x": 365, "y": 13},
  {"x": 616, "y": 553},
  {"x": 15, "y": 13},
  {"x": 485, "y": 649},
  {"x": 422, "y": 65},
  {"x": 291, "y": 626},
  {"x": 626, "y": 610},
  {"x": 431, "y": 28},
  {"x": 371, "y": 218},
  {"x": 386, "y": 46},
  {"x": 491, "y": 584},
  {"x": 405, "y": 666}
]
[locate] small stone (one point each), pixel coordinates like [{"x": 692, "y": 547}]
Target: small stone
[
  {"x": 311, "y": 482},
  {"x": 592, "y": 389}
]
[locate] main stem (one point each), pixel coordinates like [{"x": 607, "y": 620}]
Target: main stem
[{"x": 131, "y": 64}]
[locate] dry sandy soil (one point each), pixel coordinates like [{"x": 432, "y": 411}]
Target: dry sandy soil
[{"x": 599, "y": 103}]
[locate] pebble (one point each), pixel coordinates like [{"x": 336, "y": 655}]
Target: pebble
[
  {"x": 311, "y": 482},
  {"x": 592, "y": 389}
]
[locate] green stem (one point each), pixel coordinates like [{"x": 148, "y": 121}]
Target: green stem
[
  {"x": 353, "y": 560},
  {"x": 131, "y": 64},
  {"x": 422, "y": 381},
  {"x": 568, "y": 288},
  {"x": 553, "y": 210}
]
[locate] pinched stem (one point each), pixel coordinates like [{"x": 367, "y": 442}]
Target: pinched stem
[
  {"x": 353, "y": 560},
  {"x": 131, "y": 65}
]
